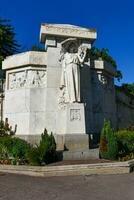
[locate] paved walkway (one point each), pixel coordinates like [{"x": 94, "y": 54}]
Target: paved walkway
[{"x": 101, "y": 187}]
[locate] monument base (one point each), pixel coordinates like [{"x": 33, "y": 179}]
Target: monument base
[
  {"x": 70, "y": 146},
  {"x": 72, "y": 142}
]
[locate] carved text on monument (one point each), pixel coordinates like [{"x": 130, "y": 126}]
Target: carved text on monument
[
  {"x": 75, "y": 115},
  {"x": 69, "y": 30}
]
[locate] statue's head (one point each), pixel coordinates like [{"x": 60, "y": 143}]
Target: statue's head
[{"x": 72, "y": 48}]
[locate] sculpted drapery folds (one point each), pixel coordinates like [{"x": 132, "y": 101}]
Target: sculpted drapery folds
[{"x": 72, "y": 57}]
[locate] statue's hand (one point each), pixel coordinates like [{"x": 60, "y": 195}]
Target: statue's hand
[{"x": 82, "y": 53}]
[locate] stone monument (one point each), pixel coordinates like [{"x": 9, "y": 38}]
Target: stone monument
[{"x": 60, "y": 89}]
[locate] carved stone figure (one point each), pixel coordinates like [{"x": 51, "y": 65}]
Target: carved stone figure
[
  {"x": 22, "y": 80},
  {"x": 27, "y": 78},
  {"x": 13, "y": 81},
  {"x": 35, "y": 80},
  {"x": 71, "y": 58},
  {"x": 38, "y": 78}
]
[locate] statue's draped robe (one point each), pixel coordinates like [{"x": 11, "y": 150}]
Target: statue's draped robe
[{"x": 70, "y": 78}]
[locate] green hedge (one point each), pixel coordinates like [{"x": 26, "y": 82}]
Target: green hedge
[
  {"x": 11, "y": 147},
  {"x": 125, "y": 140}
]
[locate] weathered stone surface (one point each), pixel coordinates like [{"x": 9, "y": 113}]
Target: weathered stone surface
[
  {"x": 26, "y": 86},
  {"x": 81, "y": 155},
  {"x": 25, "y": 59},
  {"x": 125, "y": 110},
  {"x": 28, "y": 111},
  {"x": 104, "y": 66},
  {"x": 71, "y": 119},
  {"x": 62, "y": 30},
  {"x": 71, "y": 170}
]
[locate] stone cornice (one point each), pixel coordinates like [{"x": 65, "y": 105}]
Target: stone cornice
[{"x": 66, "y": 31}]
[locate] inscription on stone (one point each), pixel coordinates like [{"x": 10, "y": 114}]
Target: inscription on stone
[
  {"x": 69, "y": 30},
  {"x": 75, "y": 115}
]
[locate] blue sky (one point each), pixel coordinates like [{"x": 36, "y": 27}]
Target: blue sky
[{"x": 113, "y": 19}]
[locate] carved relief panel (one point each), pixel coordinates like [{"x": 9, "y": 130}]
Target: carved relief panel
[{"x": 30, "y": 78}]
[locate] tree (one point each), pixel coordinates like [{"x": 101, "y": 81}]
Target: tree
[
  {"x": 36, "y": 47},
  {"x": 108, "y": 142},
  {"x": 128, "y": 88},
  {"x": 8, "y": 44}
]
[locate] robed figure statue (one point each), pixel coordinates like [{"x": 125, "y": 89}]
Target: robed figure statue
[{"x": 71, "y": 59}]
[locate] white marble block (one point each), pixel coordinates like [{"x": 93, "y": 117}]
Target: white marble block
[
  {"x": 75, "y": 119},
  {"x": 71, "y": 119},
  {"x": 25, "y": 92}
]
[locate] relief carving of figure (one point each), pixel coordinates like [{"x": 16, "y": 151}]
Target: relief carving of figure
[
  {"x": 36, "y": 80},
  {"x": 71, "y": 59},
  {"x": 22, "y": 80},
  {"x": 13, "y": 81},
  {"x": 27, "y": 78}
]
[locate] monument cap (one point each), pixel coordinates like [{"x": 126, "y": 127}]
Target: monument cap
[{"x": 66, "y": 31}]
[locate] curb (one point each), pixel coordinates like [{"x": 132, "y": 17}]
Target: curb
[{"x": 71, "y": 170}]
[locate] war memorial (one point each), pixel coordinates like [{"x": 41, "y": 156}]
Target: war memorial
[{"x": 64, "y": 91}]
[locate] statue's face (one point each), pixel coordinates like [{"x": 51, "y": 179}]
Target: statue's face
[{"x": 72, "y": 49}]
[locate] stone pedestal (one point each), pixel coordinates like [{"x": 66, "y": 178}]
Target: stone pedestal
[
  {"x": 71, "y": 119},
  {"x": 75, "y": 119}
]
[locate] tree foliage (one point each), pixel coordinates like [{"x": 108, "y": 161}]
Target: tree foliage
[
  {"x": 102, "y": 53},
  {"x": 127, "y": 88},
  {"x": 36, "y": 47},
  {"x": 8, "y": 44}
]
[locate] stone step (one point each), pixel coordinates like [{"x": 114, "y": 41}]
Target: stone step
[
  {"x": 81, "y": 155},
  {"x": 71, "y": 170}
]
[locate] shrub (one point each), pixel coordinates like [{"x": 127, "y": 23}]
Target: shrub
[
  {"x": 45, "y": 152},
  {"x": 7, "y": 141},
  {"x": 125, "y": 139},
  {"x": 6, "y": 129},
  {"x": 4, "y": 154},
  {"x": 34, "y": 157},
  {"x": 13, "y": 147},
  {"x": 20, "y": 148},
  {"x": 108, "y": 142}
]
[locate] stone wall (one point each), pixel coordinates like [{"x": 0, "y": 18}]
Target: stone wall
[
  {"x": 125, "y": 109},
  {"x": 103, "y": 95}
]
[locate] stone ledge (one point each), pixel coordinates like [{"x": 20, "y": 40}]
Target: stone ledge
[
  {"x": 104, "y": 66},
  {"x": 25, "y": 59},
  {"x": 71, "y": 170}
]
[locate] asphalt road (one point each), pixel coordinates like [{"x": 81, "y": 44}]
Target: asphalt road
[{"x": 95, "y": 187}]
